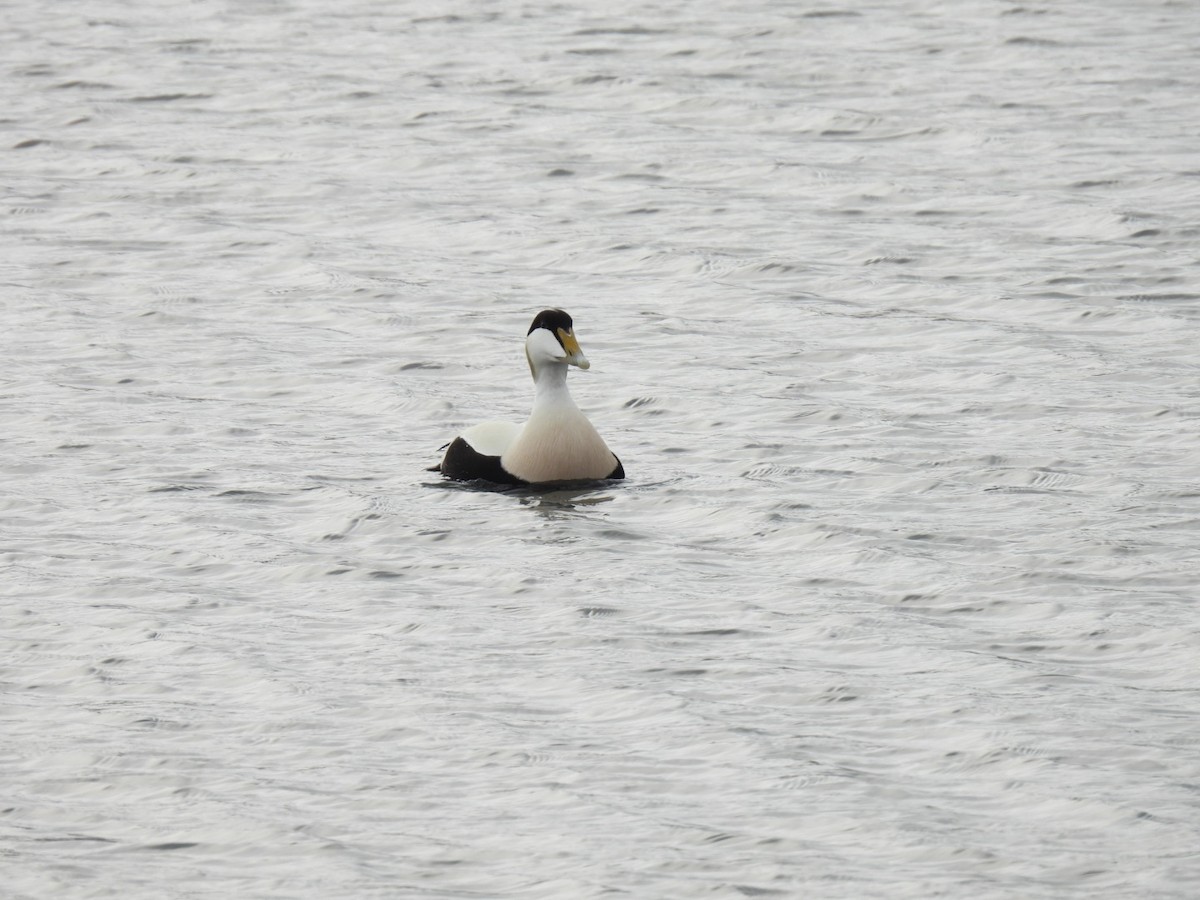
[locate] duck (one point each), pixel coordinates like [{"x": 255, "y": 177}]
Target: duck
[{"x": 556, "y": 443}]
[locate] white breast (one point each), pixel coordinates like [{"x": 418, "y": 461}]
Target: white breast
[{"x": 558, "y": 445}]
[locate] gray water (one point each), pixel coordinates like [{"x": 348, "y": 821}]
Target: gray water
[{"x": 893, "y": 312}]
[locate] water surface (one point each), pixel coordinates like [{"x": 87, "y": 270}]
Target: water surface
[{"x": 893, "y": 312}]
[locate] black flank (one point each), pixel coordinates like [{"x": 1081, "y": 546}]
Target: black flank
[{"x": 463, "y": 462}]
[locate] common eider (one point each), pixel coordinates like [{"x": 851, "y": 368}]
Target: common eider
[{"x": 557, "y": 443}]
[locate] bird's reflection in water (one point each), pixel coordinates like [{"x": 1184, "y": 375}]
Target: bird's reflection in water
[{"x": 562, "y": 500}]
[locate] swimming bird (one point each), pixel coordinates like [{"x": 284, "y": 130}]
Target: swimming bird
[{"x": 557, "y": 442}]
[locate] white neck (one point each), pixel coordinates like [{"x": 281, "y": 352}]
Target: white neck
[{"x": 550, "y": 387}]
